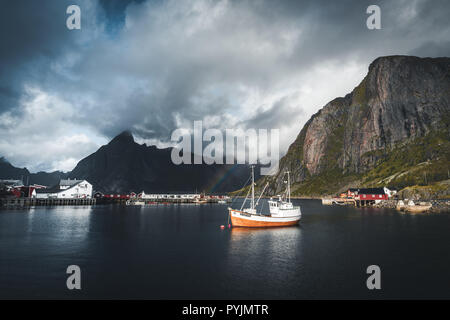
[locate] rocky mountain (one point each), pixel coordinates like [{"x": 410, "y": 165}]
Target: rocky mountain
[
  {"x": 8, "y": 171},
  {"x": 124, "y": 165},
  {"x": 392, "y": 129}
]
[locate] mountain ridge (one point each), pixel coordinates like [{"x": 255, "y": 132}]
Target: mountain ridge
[
  {"x": 123, "y": 165},
  {"x": 392, "y": 129},
  {"x": 8, "y": 171}
]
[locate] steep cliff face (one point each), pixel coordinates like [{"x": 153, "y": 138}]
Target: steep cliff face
[{"x": 402, "y": 103}]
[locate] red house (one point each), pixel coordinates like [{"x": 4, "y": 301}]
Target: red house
[{"x": 368, "y": 194}]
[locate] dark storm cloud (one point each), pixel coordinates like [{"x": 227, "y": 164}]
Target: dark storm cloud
[
  {"x": 32, "y": 33},
  {"x": 337, "y": 29},
  {"x": 153, "y": 66}
]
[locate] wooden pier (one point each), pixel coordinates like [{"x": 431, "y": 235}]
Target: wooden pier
[
  {"x": 346, "y": 201},
  {"x": 339, "y": 201},
  {"x": 174, "y": 201},
  {"x": 364, "y": 203},
  {"x": 31, "y": 202}
]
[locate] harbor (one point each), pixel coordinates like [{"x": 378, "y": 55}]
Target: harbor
[
  {"x": 10, "y": 202},
  {"x": 160, "y": 251},
  {"x": 160, "y": 198},
  {"x": 361, "y": 197},
  {"x": 386, "y": 198},
  {"x": 75, "y": 192}
]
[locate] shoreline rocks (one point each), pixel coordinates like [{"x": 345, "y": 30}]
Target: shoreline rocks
[{"x": 438, "y": 206}]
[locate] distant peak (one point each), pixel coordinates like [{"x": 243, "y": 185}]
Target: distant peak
[{"x": 124, "y": 136}]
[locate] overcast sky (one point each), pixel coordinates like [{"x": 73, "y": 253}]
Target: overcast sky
[{"x": 154, "y": 66}]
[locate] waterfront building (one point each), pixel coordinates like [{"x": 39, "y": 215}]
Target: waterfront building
[
  {"x": 66, "y": 189},
  {"x": 368, "y": 194},
  {"x": 11, "y": 183}
]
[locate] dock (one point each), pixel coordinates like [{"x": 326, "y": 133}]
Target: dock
[
  {"x": 31, "y": 202},
  {"x": 339, "y": 201},
  {"x": 163, "y": 198},
  {"x": 175, "y": 201}
]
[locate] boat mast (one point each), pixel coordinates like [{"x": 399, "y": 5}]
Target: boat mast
[
  {"x": 288, "y": 187},
  {"x": 253, "y": 188}
]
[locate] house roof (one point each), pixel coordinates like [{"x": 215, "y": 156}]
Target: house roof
[
  {"x": 11, "y": 182},
  {"x": 57, "y": 189},
  {"x": 54, "y": 189},
  {"x": 368, "y": 190}
]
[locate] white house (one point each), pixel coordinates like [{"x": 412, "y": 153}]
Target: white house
[
  {"x": 390, "y": 193},
  {"x": 67, "y": 189}
]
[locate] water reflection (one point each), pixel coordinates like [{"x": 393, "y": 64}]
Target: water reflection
[
  {"x": 162, "y": 252},
  {"x": 61, "y": 223},
  {"x": 274, "y": 241},
  {"x": 258, "y": 252},
  {"x": 238, "y": 233}
]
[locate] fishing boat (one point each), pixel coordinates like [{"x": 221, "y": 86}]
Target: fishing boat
[{"x": 281, "y": 212}]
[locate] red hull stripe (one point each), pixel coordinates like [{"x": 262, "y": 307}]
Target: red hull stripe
[{"x": 240, "y": 222}]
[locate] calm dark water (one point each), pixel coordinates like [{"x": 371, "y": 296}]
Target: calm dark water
[{"x": 179, "y": 252}]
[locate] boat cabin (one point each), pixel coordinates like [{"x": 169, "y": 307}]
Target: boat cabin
[{"x": 281, "y": 208}]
